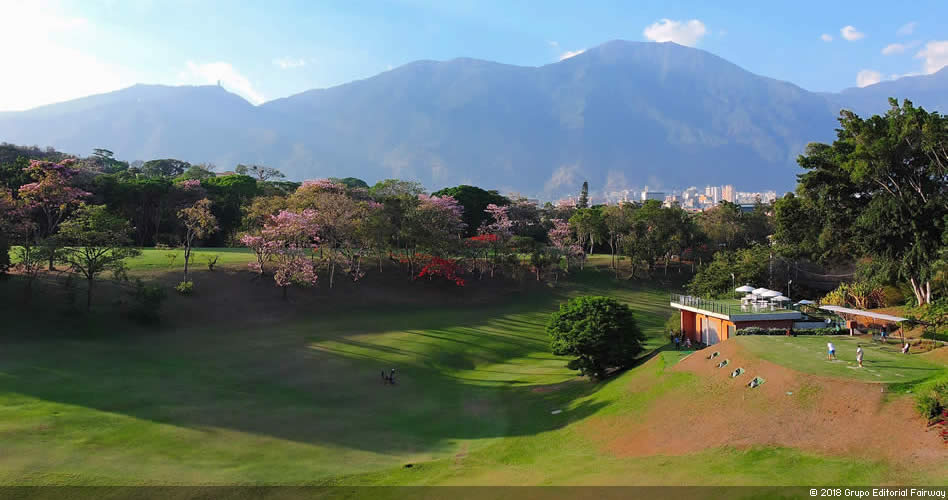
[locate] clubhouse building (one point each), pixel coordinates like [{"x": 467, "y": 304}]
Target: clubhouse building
[{"x": 713, "y": 321}]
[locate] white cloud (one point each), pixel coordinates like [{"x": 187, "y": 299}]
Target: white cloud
[
  {"x": 553, "y": 43},
  {"x": 852, "y": 34},
  {"x": 680, "y": 32},
  {"x": 289, "y": 63},
  {"x": 935, "y": 55},
  {"x": 571, "y": 53},
  {"x": 893, "y": 48},
  {"x": 211, "y": 73},
  {"x": 868, "y": 77},
  {"x": 41, "y": 42},
  {"x": 826, "y": 37},
  {"x": 907, "y": 29}
]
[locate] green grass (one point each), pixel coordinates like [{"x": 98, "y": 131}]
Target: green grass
[
  {"x": 239, "y": 387},
  {"x": 153, "y": 259},
  {"x": 808, "y": 354}
]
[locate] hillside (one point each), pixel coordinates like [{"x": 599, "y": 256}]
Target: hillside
[
  {"x": 623, "y": 114},
  {"x": 239, "y": 386}
]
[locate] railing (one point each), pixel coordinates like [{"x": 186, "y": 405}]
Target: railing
[{"x": 720, "y": 307}]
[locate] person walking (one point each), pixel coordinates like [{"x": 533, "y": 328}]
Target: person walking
[
  {"x": 677, "y": 343},
  {"x": 831, "y": 351},
  {"x": 859, "y": 355}
]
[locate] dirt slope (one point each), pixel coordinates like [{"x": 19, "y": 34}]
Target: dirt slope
[{"x": 791, "y": 409}]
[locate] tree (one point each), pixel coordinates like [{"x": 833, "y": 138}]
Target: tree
[
  {"x": 588, "y": 225},
  {"x": 167, "y": 167},
  {"x": 9, "y": 217},
  {"x": 261, "y": 172},
  {"x": 564, "y": 243},
  {"x": 583, "y": 196},
  {"x": 52, "y": 196},
  {"x": 198, "y": 222},
  {"x": 599, "y": 332},
  {"x": 289, "y": 236},
  {"x": 339, "y": 218},
  {"x": 390, "y": 188},
  {"x": 97, "y": 241},
  {"x": 617, "y": 220},
  {"x": 474, "y": 201},
  {"x": 199, "y": 172},
  {"x": 748, "y": 265},
  {"x": 432, "y": 223},
  {"x": 351, "y": 182},
  {"x": 880, "y": 190}
]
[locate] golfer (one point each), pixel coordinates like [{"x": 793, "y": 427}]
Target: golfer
[
  {"x": 831, "y": 354},
  {"x": 859, "y": 356}
]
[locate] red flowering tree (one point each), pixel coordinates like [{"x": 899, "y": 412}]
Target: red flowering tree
[
  {"x": 442, "y": 268},
  {"x": 51, "y": 196}
]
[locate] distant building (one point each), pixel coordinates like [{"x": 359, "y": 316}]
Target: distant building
[
  {"x": 653, "y": 195},
  {"x": 727, "y": 193}
]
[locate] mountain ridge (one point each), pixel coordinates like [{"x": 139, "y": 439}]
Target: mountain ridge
[{"x": 620, "y": 114}]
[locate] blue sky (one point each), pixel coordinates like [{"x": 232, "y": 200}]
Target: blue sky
[{"x": 65, "y": 49}]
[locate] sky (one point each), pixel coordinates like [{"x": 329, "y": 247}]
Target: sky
[{"x": 56, "y": 50}]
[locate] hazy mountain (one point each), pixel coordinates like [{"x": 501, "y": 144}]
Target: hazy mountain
[
  {"x": 929, "y": 91},
  {"x": 620, "y": 114}
]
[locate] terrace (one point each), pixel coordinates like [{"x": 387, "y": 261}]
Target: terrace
[{"x": 734, "y": 308}]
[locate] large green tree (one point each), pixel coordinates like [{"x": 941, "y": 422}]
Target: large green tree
[
  {"x": 879, "y": 191},
  {"x": 97, "y": 241},
  {"x": 600, "y": 333}
]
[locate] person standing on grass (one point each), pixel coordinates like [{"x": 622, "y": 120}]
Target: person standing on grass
[
  {"x": 831, "y": 354},
  {"x": 859, "y": 355},
  {"x": 905, "y": 348},
  {"x": 677, "y": 343}
]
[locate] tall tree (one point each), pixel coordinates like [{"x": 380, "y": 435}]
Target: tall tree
[
  {"x": 881, "y": 191},
  {"x": 96, "y": 241},
  {"x": 583, "y": 196},
  {"x": 199, "y": 222}
]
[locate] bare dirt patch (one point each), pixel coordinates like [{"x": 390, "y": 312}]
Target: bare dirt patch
[{"x": 791, "y": 409}]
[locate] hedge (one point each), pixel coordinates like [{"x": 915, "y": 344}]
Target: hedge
[{"x": 756, "y": 330}]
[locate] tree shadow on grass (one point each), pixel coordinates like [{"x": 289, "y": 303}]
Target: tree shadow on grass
[{"x": 288, "y": 383}]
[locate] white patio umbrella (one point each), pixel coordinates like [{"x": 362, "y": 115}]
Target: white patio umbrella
[
  {"x": 771, "y": 294},
  {"x": 780, "y": 298},
  {"x": 805, "y": 302},
  {"x": 759, "y": 291},
  {"x": 745, "y": 288}
]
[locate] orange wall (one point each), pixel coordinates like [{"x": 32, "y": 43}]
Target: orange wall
[{"x": 691, "y": 325}]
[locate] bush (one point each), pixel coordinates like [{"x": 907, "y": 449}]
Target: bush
[
  {"x": 932, "y": 402},
  {"x": 147, "y": 301},
  {"x": 212, "y": 261},
  {"x": 599, "y": 331},
  {"x": 185, "y": 287}
]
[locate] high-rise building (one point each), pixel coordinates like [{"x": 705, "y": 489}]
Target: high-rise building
[{"x": 727, "y": 193}]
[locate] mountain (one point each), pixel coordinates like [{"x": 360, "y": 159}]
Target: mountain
[
  {"x": 929, "y": 91},
  {"x": 618, "y": 115}
]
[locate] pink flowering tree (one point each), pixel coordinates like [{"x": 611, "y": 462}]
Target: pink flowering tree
[
  {"x": 289, "y": 238},
  {"x": 341, "y": 220},
  {"x": 564, "y": 242},
  {"x": 52, "y": 197},
  {"x": 498, "y": 230}
]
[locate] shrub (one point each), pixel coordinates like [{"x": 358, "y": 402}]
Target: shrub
[
  {"x": 212, "y": 261},
  {"x": 599, "y": 331},
  {"x": 932, "y": 402},
  {"x": 146, "y": 300},
  {"x": 185, "y": 287},
  {"x": 171, "y": 256}
]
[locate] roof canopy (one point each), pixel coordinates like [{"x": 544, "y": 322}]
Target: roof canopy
[
  {"x": 745, "y": 288},
  {"x": 759, "y": 291},
  {"x": 780, "y": 298},
  {"x": 860, "y": 312},
  {"x": 770, "y": 293}
]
